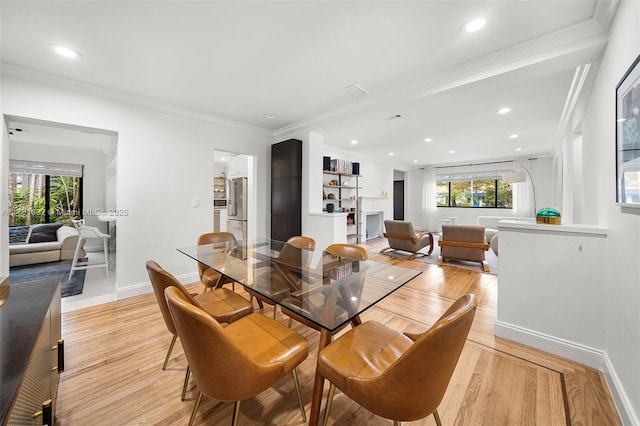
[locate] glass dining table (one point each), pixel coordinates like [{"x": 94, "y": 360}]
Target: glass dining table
[{"x": 325, "y": 290}]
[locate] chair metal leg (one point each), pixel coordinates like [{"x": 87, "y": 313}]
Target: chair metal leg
[
  {"x": 294, "y": 372},
  {"x": 396, "y": 423},
  {"x": 166, "y": 359},
  {"x": 195, "y": 408},
  {"x": 186, "y": 382},
  {"x": 437, "y": 417},
  {"x": 236, "y": 413},
  {"x": 290, "y": 322},
  {"x": 74, "y": 263},
  {"x": 332, "y": 392},
  {"x": 274, "y": 311}
]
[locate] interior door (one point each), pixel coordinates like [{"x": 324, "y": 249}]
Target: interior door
[{"x": 398, "y": 200}]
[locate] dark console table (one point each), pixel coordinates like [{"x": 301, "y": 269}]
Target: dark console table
[{"x": 31, "y": 351}]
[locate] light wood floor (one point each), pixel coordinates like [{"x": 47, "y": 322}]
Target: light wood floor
[{"x": 115, "y": 351}]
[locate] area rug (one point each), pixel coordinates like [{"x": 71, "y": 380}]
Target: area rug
[
  {"x": 489, "y": 255},
  {"x": 19, "y": 274}
]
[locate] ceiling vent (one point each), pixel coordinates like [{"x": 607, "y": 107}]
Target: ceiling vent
[
  {"x": 351, "y": 93},
  {"x": 393, "y": 117}
]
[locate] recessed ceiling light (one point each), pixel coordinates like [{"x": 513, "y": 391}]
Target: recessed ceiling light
[
  {"x": 353, "y": 141},
  {"x": 270, "y": 116},
  {"x": 65, "y": 51},
  {"x": 518, "y": 149},
  {"x": 452, "y": 152},
  {"x": 391, "y": 154},
  {"x": 514, "y": 136},
  {"x": 223, "y": 159},
  {"x": 475, "y": 25},
  {"x": 428, "y": 139},
  {"x": 504, "y": 110},
  {"x": 415, "y": 161}
]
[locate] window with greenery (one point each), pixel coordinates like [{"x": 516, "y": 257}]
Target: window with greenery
[
  {"x": 492, "y": 193},
  {"x": 43, "y": 197}
]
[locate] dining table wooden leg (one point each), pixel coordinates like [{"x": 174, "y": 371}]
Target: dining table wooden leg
[{"x": 318, "y": 384}]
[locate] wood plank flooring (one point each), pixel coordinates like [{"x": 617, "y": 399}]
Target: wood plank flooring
[{"x": 115, "y": 351}]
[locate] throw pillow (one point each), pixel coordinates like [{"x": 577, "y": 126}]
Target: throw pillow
[{"x": 44, "y": 232}]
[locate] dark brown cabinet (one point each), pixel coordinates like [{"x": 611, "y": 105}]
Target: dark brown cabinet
[{"x": 286, "y": 189}]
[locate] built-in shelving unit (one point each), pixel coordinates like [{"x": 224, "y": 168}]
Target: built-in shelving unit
[
  {"x": 344, "y": 188},
  {"x": 219, "y": 188}
]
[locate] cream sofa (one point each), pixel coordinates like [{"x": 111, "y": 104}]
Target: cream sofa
[
  {"x": 62, "y": 248},
  {"x": 490, "y": 224}
]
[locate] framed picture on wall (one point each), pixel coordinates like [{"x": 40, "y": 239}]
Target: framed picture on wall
[{"x": 628, "y": 137}]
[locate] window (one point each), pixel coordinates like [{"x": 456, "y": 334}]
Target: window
[
  {"x": 493, "y": 193},
  {"x": 44, "y": 192}
]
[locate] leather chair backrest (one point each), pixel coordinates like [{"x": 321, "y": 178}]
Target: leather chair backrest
[
  {"x": 220, "y": 368},
  {"x": 292, "y": 251},
  {"x": 212, "y": 238},
  {"x": 399, "y": 227},
  {"x": 417, "y": 381},
  {"x": 348, "y": 251},
  {"x": 160, "y": 280}
]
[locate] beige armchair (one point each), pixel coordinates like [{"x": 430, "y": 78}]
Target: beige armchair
[
  {"x": 463, "y": 242},
  {"x": 402, "y": 236}
]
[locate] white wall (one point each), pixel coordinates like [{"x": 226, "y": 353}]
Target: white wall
[
  {"x": 164, "y": 161},
  {"x": 621, "y": 263}
]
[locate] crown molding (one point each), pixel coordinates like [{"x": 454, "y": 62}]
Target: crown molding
[
  {"x": 578, "y": 38},
  {"x": 577, "y": 84},
  {"x": 604, "y": 12},
  {"x": 45, "y": 79}
]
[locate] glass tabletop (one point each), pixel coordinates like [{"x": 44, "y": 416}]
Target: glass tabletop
[{"x": 325, "y": 289}]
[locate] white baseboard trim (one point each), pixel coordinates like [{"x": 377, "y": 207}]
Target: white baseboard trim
[
  {"x": 590, "y": 357},
  {"x": 143, "y": 288},
  {"x": 133, "y": 290},
  {"x": 620, "y": 397}
]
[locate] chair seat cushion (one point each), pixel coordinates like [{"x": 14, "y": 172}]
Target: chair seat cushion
[
  {"x": 362, "y": 353},
  {"x": 268, "y": 342},
  {"x": 35, "y": 247},
  {"x": 210, "y": 277},
  {"x": 224, "y": 305}
]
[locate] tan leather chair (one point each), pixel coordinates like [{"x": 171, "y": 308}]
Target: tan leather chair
[
  {"x": 347, "y": 251},
  {"x": 208, "y": 276},
  {"x": 239, "y": 361},
  {"x": 223, "y": 304},
  {"x": 463, "y": 242},
  {"x": 402, "y": 236},
  {"x": 291, "y": 253},
  {"x": 398, "y": 376}
]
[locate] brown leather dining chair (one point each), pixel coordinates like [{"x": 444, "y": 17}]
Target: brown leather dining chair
[
  {"x": 345, "y": 251},
  {"x": 223, "y": 304},
  {"x": 292, "y": 252},
  {"x": 208, "y": 276},
  {"x": 398, "y": 376},
  {"x": 239, "y": 361}
]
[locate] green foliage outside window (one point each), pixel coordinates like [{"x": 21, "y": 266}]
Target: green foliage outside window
[
  {"x": 492, "y": 193},
  {"x": 30, "y": 205}
]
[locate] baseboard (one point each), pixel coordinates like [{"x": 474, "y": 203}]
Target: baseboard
[
  {"x": 144, "y": 288},
  {"x": 590, "y": 357},
  {"x": 133, "y": 290},
  {"x": 585, "y": 355},
  {"x": 620, "y": 397}
]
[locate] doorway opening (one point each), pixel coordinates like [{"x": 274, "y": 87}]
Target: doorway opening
[
  {"x": 79, "y": 183},
  {"x": 398, "y": 195}
]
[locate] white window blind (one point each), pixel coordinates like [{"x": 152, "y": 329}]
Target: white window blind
[
  {"x": 473, "y": 171},
  {"x": 45, "y": 168}
]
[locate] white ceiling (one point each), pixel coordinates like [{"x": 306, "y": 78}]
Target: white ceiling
[{"x": 240, "y": 60}]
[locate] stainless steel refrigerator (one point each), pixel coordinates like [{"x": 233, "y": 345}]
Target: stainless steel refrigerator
[{"x": 237, "y": 208}]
